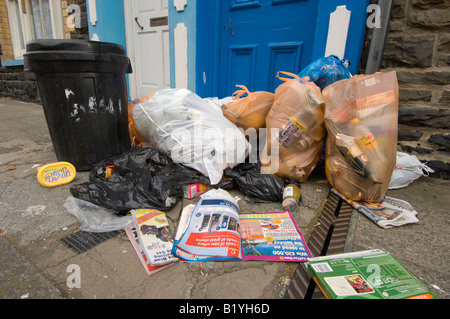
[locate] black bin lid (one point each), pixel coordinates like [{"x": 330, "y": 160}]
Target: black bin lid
[{"x": 41, "y": 52}]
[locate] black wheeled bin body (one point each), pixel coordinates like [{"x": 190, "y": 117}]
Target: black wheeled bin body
[{"x": 83, "y": 90}]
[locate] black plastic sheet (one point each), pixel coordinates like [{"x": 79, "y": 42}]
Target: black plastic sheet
[
  {"x": 140, "y": 178},
  {"x": 145, "y": 178},
  {"x": 256, "y": 186}
]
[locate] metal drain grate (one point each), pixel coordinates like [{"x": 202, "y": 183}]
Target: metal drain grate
[
  {"x": 327, "y": 238},
  {"x": 81, "y": 241}
]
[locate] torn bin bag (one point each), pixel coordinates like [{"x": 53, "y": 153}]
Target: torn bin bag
[{"x": 140, "y": 178}]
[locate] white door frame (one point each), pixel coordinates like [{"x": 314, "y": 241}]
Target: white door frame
[{"x": 131, "y": 52}]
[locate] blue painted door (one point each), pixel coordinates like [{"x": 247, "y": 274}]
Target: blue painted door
[
  {"x": 262, "y": 37},
  {"x": 248, "y": 41}
]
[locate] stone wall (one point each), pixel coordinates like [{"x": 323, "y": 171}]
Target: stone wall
[
  {"x": 18, "y": 85},
  {"x": 418, "y": 49}
]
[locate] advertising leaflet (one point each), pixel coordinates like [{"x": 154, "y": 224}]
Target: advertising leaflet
[
  {"x": 134, "y": 239},
  {"x": 369, "y": 274},
  {"x": 182, "y": 226},
  {"x": 213, "y": 229},
  {"x": 272, "y": 237},
  {"x": 154, "y": 235},
  {"x": 388, "y": 213}
]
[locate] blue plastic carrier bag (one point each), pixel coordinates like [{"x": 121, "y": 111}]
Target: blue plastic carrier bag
[{"x": 325, "y": 71}]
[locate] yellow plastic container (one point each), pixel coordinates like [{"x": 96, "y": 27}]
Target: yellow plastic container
[{"x": 56, "y": 174}]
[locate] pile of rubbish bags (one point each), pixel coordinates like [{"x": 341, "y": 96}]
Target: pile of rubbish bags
[{"x": 182, "y": 139}]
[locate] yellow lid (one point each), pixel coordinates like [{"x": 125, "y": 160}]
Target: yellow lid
[{"x": 56, "y": 174}]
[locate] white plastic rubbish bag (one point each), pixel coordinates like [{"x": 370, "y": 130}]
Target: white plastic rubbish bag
[
  {"x": 408, "y": 168},
  {"x": 180, "y": 124},
  {"x": 96, "y": 219}
]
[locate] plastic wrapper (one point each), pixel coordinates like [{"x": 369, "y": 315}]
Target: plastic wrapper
[
  {"x": 327, "y": 70},
  {"x": 249, "y": 111},
  {"x": 362, "y": 121},
  {"x": 191, "y": 131},
  {"x": 96, "y": 219},
  {"x": 297, "y": 113}
]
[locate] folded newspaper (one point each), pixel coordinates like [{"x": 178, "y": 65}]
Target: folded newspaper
[
  {"x": 388, "y": 213},
  {"x": 213, "y": 229}
]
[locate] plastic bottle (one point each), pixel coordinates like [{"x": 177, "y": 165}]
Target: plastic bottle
[
  {"x": 291, "y": 197},
  {"x": 291, "y": 132},
  {"x": 363, "y": 136},
  {"x": 350, "y": 150},
  {"x": 369, "y": 146},
  {"x": 305, "y": 142}
]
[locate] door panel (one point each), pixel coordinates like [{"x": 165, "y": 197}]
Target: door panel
[
  {"x": 283, "y": 57},
  {"x": 260, "y": 38},
  {"x": 242, "y": 64},
  {"x": 151, "y": 45}
]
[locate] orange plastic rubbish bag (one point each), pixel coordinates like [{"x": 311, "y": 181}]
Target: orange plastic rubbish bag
[
  {"x": 361, "y": 117},
  {"x": 249, "y": 111},
  {"x": 135, "y": 137},
  {"x": 297, "y": 113}
]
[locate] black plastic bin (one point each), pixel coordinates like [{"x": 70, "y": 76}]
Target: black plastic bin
[{"x": 83, "y": 90}]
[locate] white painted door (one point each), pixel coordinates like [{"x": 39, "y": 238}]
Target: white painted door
[{"x": 148, "y": 45}]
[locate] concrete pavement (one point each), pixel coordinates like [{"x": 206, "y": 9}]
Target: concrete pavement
[{"x": 35, "y": 264}]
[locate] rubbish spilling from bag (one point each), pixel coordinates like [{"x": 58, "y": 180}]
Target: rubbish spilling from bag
[
  {"x": 195, "y": 151},
  {"x": 187, "y": 145},
  {"x": 184, "y": 176}
]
